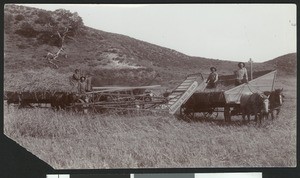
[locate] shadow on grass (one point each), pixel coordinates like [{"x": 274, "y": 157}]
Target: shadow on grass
[{"x": 236, "y": 121}]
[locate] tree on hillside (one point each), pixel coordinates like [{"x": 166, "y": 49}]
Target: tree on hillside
[
  {"x": 51, "y": 28},
  {"x": 62, "y": 24}
]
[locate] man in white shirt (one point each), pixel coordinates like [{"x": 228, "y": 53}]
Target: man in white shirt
[{"x": 241, "y": 74}]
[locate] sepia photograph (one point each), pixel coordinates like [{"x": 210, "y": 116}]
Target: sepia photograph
[{"x": 134, "y": 86}]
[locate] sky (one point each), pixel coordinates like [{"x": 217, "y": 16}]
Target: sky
[{"x": 235, "y": 32}]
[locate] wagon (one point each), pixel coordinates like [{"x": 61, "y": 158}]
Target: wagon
[{"x": 225, "y": 98}]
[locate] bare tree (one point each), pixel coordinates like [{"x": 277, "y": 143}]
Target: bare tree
[{"x": 52, "y": 56}]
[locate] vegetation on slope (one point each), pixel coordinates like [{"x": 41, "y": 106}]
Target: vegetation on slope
[{"x": 112, "y": 59}]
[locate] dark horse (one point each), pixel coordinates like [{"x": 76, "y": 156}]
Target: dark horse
[
  {"x": 26, "y": 99},
  {"x": 255, "y": 104},
  {"x": 62, "y": 100},
  {"x": 276, "y": 100},
  {"x": 58, "y": 100}
]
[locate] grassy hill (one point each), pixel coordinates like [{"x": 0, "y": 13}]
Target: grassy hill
[
  {"x": 286, "y": 64},
  {"x": 112, "y": 59}
]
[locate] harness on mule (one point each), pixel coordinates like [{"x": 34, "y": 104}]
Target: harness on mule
[
  {"x": 251, "y": 90},
  {"x": 262, "y": 95}
]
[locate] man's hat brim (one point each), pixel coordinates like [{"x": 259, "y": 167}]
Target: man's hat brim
[
  {"x": 213, "y": 68},
  {"x": 241, "y": 63}
]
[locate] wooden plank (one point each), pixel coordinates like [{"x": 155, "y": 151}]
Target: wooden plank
[
  {"x": 183, "y": 87},
  {"x": 173, "y": 99},
  {"x": 180, "y": 90},
  {"x": 175, "y": 96},
  {"x": 192, "y": 78},
  {"x": 125, "y": 88},
  {"x": 188, "y": 81},
  {"x": 185, "y": 84}
]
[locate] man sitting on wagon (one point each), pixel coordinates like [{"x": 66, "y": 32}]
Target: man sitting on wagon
[
  {"x": 212, "y": 78},
  {"x": 241, "y": 74},
  {"x": 74, "y": 80},
  {"x": 76, "y": 75},
  {"x": 82, "y": 85}
]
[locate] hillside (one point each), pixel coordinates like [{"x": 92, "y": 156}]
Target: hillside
[
  {"x": 287, "y": 64},
  {"x": 112, "y": 59}
]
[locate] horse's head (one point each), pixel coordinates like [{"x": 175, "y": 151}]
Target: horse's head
[
  {"x": 278, "y": 96},
  {"x": 264, "y": 100}
]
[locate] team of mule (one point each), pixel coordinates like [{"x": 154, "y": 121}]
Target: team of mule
[
  {"x": 261, "y": 105},
  {"x": 57, "y": 100}
]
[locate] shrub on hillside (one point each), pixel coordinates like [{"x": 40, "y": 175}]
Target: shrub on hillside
[
  {"x": 46, "y": 38},
  {"x": 66, "y": 19},
  {"x": 44, "y": 18},
  {"x": 19, "y": 17},
  {"x": 47, "y": 26},
  {"x": 26, "y": 29}
]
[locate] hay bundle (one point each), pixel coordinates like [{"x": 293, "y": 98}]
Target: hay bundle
[{"x": 38, "y": 80}]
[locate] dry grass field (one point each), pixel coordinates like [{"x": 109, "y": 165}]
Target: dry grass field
[{"x": 69, "y": 140}]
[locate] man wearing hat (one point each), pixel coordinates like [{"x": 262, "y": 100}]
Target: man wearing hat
[
  {"x": 76, "y": 75},
  {"x": 212, "y": 78},
  {"x": 82, "y": 85},
  {"x": 241, "y": 74},
  {"x": 75, "y": 79}
]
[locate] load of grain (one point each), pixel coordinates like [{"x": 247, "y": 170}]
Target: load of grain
[{"x": 46, "y": 79}]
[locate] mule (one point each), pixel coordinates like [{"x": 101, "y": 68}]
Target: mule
[
  {"x": 27, "y": 99},
  {"x": 276, "y": 101},
  {"x": 61, "y": 100},
  {"x": 255, "y": 104}
]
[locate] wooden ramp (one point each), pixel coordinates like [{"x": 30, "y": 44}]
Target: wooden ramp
[{"x": 184, "y": 91}]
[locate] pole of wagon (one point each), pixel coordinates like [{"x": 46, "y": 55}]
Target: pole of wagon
[{"x": 251, "y": 69}]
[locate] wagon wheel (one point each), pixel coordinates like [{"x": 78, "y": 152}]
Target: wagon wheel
[
  {"x": 95, "y": 108},
  {"x": 80, "y": 107},
  {"x": 213, "y": 114},
  {"x": 142, "y": 101},
  {"x": 186, "y": 114},
  {"x": 112, "y": 103},
  {"x": 76, "y": 107},
  {"x": 111, "y": 98}
]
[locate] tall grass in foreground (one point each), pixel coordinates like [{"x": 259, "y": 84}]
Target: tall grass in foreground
[{"x": 69, "y": 140}]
